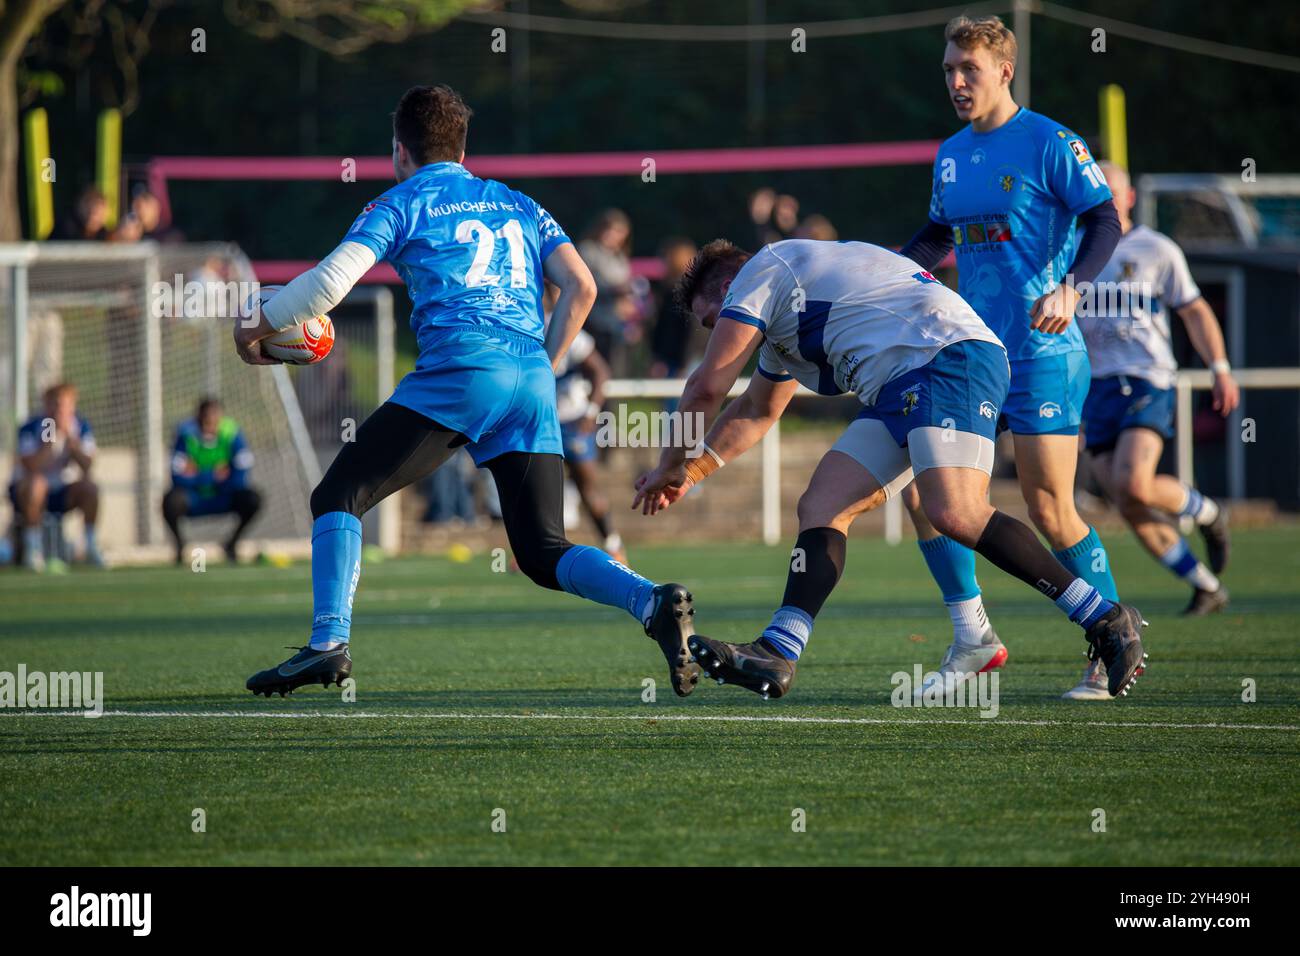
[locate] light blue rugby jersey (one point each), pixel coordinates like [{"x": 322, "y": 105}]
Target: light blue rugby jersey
[
  {"x": 470, "y": 250},
  {"x": 1010, "y": 197}
]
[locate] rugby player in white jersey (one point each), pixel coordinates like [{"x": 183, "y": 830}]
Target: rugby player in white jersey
[
  {"x": 1130, "y": 407},
  {"x": 852, "y": 317}
]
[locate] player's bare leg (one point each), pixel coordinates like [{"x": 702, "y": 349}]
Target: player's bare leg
[
  {"x": 955, "y": 500},
  {"x": 1046, "y": 466},
  {"x": 839, "y": 491},
  {"x": 31, "y": 493},
  {"x": 1150, "y": 503},
  {"x": 974, "y": 641},
  {"x": 83, "y": 496}
]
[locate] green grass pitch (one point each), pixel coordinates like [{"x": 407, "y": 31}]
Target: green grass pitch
[{"x": 477, "y": 692}]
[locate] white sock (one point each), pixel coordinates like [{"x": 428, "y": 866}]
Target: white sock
[
  {"x": 1180, "y": 560},
  {"x": 325, "y": 645},
  {"x": 90, "y": 540},
  {"x": 970, "y": 622},
  {"x": 1200, "y": 508},
  {"x": 32, "y": 541}
]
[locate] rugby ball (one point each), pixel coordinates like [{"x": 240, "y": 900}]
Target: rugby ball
[{"x": 304, "y": 344}]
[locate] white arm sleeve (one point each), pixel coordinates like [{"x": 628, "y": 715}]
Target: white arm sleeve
[{"x": 318, "y": 290}]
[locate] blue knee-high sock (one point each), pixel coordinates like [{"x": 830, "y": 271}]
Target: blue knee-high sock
[
  {"x": 1088, "y": 559},
  {"x": 591, "y": 573},
  {"x": 335, "y": 570},
  {"x": 953, "y": 568}
]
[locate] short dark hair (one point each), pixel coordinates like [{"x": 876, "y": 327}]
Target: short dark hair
[
  {"x": 432, "y": 123},
  {"x": 209, "y": 402},
  {"x": 716, "y": 262}
]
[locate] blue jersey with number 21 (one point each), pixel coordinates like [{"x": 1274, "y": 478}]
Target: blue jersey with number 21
[
  {"x": 470, "y": 250},
  {"x": 1010, "y": 197}
]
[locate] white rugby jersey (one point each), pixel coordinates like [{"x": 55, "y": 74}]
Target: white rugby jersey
[
  {"x": 572, "y": 390},
  {"x": 1125, "y": 318},
  {"x": 846, "y": 316}
]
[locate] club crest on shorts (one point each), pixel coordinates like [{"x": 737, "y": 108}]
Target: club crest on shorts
[
  {"x": 1049, "y": 410},
  {"x": 988, "y": 410},
  {"x": 911, "y": 397}
]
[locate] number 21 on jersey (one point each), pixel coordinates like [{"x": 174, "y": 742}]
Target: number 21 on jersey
[{"x": 478, "y": 232}]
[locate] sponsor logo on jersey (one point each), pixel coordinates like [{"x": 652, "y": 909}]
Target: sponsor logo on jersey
[
  {"x": 924, "y": 277},
  {"x": 977, "y": 157},
  {"x": 957, "y": 235},
  {"x": 1080, "y": 151},
  {"x": 998, "y": 231},
  {"x": 911, "y": 397},
  {"x": 988, "y": 410},
  {"x": 1049, "y": 410},
  {"x": 975, "y": 232}
]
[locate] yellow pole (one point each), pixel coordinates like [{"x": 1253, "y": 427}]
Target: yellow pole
[
  {"x": 1114, "y": 125},
  {"x": 108, "y": 162},
  {"x": 40, "y": 174}
]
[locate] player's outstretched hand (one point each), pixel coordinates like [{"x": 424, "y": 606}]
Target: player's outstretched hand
[
  {"x": 658, "y": 488},
  {"x": 248, "y": 340},
  {"x": 1227, "y": 395},
  {"x": 1054, "y": 312}
]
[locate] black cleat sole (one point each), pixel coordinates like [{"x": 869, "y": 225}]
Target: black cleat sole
[{"x": 671, "y": 627}]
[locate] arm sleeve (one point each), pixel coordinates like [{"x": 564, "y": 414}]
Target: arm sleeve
[
  {"x": 758, "y": 293},
  {"x": 1101, "y": 234},
  {"x": 318, "y": 290},
  {"x": 549, "y": 233},
  {"x": 770, "y": 364},
  {"x": 379, "y": 228},
  {"x": 1180, "y": 289},
  {"x": 1071, "y": 174},
  {"x": 930, "y": 246}
]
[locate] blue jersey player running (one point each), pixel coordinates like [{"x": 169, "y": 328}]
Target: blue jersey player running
[
  {"x": 473, "y": 254},
  {"x": 1029, "y": 214}
]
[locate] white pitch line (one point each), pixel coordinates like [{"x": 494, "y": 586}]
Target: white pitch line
[{"x": 667, "y": 718}]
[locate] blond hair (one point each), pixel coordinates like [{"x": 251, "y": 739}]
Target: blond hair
[{"x": 989, "y": 32}]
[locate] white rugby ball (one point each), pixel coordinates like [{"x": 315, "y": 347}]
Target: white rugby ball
[{"x": 303, "y": 344}]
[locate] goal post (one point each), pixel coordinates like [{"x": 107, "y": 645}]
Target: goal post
[{"x": 143, "y": 332}]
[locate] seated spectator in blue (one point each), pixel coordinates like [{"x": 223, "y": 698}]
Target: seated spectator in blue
[
  {"x": 52, "y": 474},
  {"x": 210, "y": 465}
]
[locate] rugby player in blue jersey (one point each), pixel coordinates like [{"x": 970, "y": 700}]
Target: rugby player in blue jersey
[
  {"x": 1030, "y": 217},
  {"x": 473, "y": 254}
]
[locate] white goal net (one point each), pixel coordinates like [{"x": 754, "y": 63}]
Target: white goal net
[{"x": 144, "y": 332}]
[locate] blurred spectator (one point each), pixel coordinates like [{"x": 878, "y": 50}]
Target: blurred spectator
[
  {"x": 52, "y": 447},
  {"x": 671, "y": 336},
  {"x": 785, "y": 216},
  {"x": 147, "y": 210},
  {"x": 604, "y": 248},
  {"x": 143, "y": 221},
  {"x": 817, "y": 227},
  {"x": 210, "y": 465},
  {"x": 449, "y": 491},
  {"x": 761, "y": 202},
  {"x": 775, "y": 217},
  {"x": 87, "y": 222}
]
